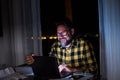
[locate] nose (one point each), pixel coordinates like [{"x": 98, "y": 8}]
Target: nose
[{"x": 60, "y": 36}]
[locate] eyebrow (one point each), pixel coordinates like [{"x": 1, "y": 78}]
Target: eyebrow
[{"x": 62, "y": 31}]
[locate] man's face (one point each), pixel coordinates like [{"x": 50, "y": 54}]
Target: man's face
[{"x": 64, "y": 35}]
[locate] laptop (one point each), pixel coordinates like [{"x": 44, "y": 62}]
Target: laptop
[{"x": 47, "y": 67}]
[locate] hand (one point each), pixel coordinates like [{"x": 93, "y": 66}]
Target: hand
[
  {"x": 29, "y": 59},
  {"x": 66, "y": 68},
  {"x": 75, "y": 70},
  {"x": 63, "y": 68}
]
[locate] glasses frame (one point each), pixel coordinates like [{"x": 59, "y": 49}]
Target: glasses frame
[{"x": 64, "y": 33}]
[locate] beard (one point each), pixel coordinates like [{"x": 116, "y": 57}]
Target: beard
[{"x": 63, "y": 44}]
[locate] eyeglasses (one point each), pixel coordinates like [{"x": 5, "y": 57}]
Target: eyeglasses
[{"x": 64, "y": 33}]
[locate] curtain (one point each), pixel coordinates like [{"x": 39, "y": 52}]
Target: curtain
[
  {"x": 109, "y": 26},
  {"x": 25, "y": 29},
  {"x": 32, "y": 27}
]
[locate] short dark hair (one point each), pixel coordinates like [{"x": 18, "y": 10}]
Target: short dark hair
[{"x": 64, "y": 21}]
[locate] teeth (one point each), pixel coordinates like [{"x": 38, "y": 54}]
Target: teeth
[{"x": 63, "y": 40}]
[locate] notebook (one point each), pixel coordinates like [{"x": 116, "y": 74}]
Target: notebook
[{"x": 47, "y": 67}]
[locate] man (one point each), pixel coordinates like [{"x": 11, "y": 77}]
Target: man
[{"x": 73, "y": 54}]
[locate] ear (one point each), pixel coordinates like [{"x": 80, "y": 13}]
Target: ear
[{"x": 72, "y": 31}]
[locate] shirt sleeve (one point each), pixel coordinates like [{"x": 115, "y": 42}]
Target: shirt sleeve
[
  {"x": 52, "y": 51},
  {"x": 89, "y": 60}
]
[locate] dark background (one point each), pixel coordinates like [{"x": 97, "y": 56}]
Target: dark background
[
  {"x": 84, "y": 18},
  {"x": 84, "y": 14},
  {"x": 51, "y": 10},
  {"x": 1, "y": 29}
]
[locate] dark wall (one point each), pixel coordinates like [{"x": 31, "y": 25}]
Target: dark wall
[
  {"x": 85, "y": 16},
  {"x": 51, "y": 10},
  {"x": 84, "y": 13},
  {"x": 1, "y": 29}
]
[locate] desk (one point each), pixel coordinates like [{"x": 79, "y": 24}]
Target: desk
[{"x": 38, "y": 78}]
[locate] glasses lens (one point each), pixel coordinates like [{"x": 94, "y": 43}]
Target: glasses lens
[{"x": 62, "y": 33}]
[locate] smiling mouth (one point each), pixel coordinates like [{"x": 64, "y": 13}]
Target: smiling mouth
[{"x": 63, "y": 40}]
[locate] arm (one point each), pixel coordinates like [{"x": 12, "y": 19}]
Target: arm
[
  {"x": 89, "y": 59},
  {"x": 53, "y": 50}
]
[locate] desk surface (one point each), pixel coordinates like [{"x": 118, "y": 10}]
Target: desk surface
[{"x": 39, "y": 78}]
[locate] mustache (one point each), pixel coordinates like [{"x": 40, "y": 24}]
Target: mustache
[{"x": 61, "y": 38}]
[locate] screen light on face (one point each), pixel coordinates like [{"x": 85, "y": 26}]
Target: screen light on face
[{"x": 64, "y": 33}]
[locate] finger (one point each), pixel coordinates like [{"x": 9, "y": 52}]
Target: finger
[{"x": 68, "y": 69}]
